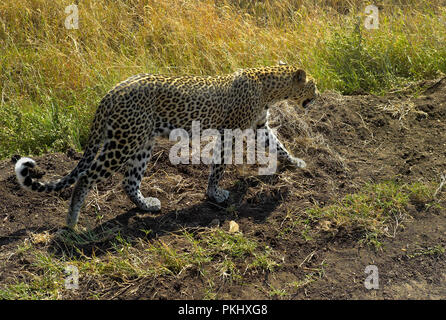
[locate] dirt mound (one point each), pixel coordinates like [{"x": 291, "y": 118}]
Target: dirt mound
[{"x": 347, "y": 141}]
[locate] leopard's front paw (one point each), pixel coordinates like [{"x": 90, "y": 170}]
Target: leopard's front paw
[{"x": 298, "y": 162}]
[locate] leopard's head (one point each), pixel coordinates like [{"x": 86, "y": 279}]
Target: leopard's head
[{"x": 303, "y": 90}]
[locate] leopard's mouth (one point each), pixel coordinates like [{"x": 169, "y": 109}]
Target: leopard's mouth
[{"x": 307, "y": 102}]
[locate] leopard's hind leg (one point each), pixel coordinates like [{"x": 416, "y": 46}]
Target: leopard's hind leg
[
  {"x": 135, "y": 168},
  {"x": 109, "y": 161}
]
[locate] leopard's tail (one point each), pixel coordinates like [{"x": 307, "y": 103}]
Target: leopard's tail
[{"x": 95, "y": 140}]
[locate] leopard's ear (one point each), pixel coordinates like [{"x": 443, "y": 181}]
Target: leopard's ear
[
  {"x": 300, "y": 76},
  {"x": 281, "y": 63}
]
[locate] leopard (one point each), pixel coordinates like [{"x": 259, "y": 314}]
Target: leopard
[{"x": 143, "y": 107}]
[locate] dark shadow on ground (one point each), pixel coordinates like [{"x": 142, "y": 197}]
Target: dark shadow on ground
[{"x": 136, "y": 224}]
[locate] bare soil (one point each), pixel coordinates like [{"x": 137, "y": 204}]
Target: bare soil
[{"x": 347, "y": 141}]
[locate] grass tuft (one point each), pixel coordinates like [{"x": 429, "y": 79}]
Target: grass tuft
[{"x": 376, "y": 211}]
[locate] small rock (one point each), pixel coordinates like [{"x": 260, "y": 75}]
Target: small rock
[{"x": 233, "y": 227}]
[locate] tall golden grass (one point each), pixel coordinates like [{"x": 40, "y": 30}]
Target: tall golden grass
[{"x": 52, "y": 77}]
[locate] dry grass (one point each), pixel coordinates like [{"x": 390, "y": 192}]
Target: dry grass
[
  {"x": 400, "y": 109},
  {"x": 299, "y": 130}
]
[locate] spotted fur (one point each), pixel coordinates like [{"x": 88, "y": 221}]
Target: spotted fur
[{"x": 144, "y": 106}]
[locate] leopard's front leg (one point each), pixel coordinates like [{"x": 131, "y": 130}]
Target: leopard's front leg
[
  {"x": 214, "y": 192},
  {"x": 282, "y": 153}
]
